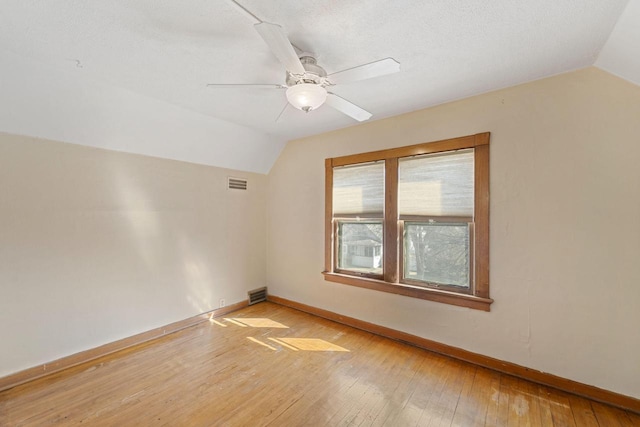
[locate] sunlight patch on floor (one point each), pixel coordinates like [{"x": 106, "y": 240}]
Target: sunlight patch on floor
[
  {"x": 262, "y": 343},
  {"x": 255, "y": 322},
  {"x": 235, "y": 323},
  {"x": 284, "y": 344},
  {"x": 298, "y": 344},
  {"x": 217, "y": 323},
  {"x": 312, "y": 344}
]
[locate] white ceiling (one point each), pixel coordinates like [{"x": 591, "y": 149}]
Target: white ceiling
[{"x": 131, "y": 75}]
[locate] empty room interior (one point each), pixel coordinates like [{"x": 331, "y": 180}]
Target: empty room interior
[{"x": 247, "y": 213}]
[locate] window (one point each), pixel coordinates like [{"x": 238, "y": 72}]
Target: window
[
  {"x": 359, "y": 248},
  {"x": 412, "y": 220}
]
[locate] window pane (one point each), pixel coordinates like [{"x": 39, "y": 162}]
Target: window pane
[
  {"x": 360, "y": 247},
  {"x": 359, "y": 190},
  {"x": 437, "y": 184},
  {"x": 437, "y": 253}
]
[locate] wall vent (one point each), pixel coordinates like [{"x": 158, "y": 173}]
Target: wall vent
[
  {"x": 237, "y": 183},
  {"x": 257, "y": 295}
]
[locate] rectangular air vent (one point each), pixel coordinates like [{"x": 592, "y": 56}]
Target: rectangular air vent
[
  {"x": 237, "y": 183},
  {"x": 257, "y": 295}
]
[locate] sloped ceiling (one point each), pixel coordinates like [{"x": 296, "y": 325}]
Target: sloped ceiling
[
  {"x": 621, "y": 53},
  {"x": 131, "y": 75}
]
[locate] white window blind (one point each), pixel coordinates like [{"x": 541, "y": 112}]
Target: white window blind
[
  {"x": 437, "y": 184},
  {"x": 359, "y": 190}
]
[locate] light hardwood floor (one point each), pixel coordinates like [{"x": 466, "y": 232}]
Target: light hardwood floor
[{"x": 271, "y": 365}]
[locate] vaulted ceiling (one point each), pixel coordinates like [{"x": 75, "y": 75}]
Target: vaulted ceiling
[{"x": 131, "y": 75}]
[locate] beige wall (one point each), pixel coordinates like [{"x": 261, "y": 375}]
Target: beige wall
[
  {"x": 98, "y": 245},
  {"x": 565, "y": 227}
]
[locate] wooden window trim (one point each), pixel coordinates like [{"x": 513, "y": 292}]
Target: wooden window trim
[
  {"x": 391, "y": 238},
  {"x": 479, "y": 296},
  {"x": 437, "y": 295}
]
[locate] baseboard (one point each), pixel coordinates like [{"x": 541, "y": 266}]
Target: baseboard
[
  {"x": 40, "y": 371},
  {"x": 550, "y": 380}
]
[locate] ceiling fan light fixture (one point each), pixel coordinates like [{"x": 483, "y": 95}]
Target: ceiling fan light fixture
[{"x": 306, "y": 96}]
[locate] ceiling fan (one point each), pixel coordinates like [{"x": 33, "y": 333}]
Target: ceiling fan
[{"x": 306, "y": 82}]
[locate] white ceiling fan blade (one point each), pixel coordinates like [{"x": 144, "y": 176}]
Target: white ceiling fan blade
[
  {"x": 240, "y": 8},
  {"x": 247, "y": 86},
  {"x": 281, "y": 47},
  {"x": 253, "y": 18},
  {"x": 347, "y": 107},
  {"x": 367, "y": 71}
]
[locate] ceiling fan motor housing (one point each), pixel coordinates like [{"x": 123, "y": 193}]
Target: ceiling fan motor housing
[{"x": 314, "y": 73}]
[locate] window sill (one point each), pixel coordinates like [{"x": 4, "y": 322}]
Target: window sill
[{"x": 446, "y": 297}]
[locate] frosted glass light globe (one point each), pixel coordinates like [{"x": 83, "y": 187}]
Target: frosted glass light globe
[{"x": 306, "y": 96}]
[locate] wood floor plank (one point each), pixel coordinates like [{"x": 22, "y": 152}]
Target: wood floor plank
[
  {"x": 582, "y": 411},
  {"x": 524, "y": 404},
  {"x": 415, "y": 394},
  {"x": 493, "y": 405},
  {"x": 440, "y": 411},
  {"x": 610, "y": 416},
  {"x": 466, "y": 409},
  {"x": 355, "y": 388},
  {"x": 517, "y": 409},
  {"x": 282, "y": 367},
  {"x": 545, "y": 406},
  {"x": 560, "y": 409},
  {"x": 400, "y": 375},
  {"x": 503, "y": 403},
  {"x": 534, "y": 417},
  {"x": 472, "y": 407}
]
